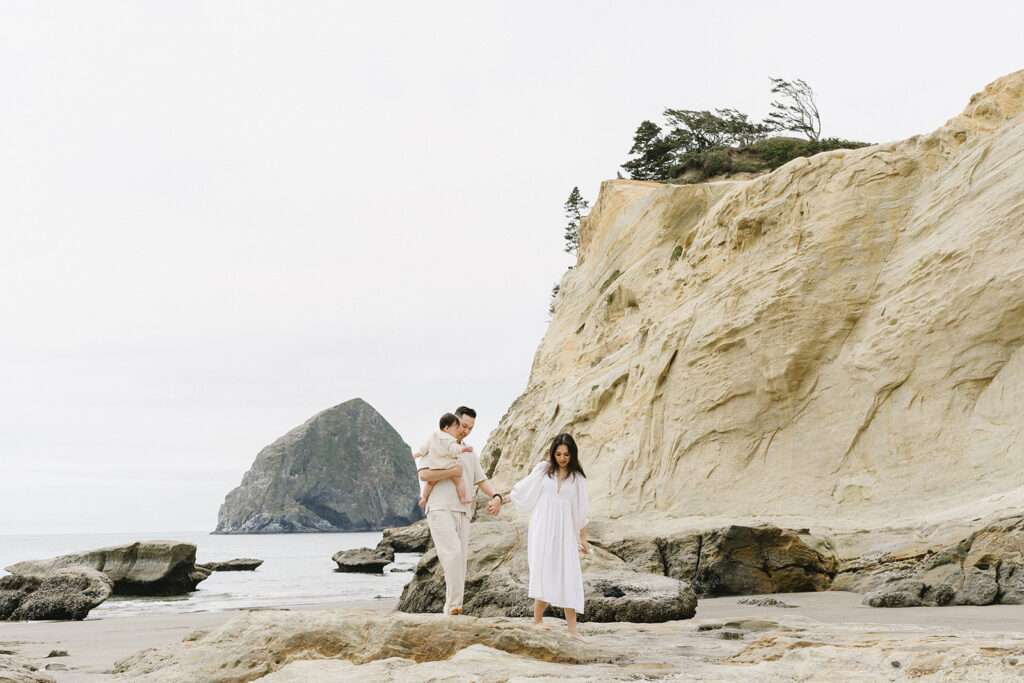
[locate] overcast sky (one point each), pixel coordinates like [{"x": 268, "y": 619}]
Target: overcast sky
[{"x": 219, "y": 218}]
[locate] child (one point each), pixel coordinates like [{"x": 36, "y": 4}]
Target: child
[{"x": 441, "y": 452}]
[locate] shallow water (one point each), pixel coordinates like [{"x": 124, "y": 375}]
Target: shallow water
[{"x": 297, "y": 569}]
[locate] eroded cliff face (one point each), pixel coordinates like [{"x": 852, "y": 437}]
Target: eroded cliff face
[{"x": 839, "y": 339}]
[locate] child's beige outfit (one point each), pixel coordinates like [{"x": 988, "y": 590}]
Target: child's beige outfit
[{"x": 440, "y": 452}]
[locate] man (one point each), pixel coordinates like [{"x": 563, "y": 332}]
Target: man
[{"x": 448, "y": 518}]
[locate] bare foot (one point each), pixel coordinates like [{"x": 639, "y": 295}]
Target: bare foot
[
  {"x": 423, "y": 501},
  {"x": 456, "y": 611},
  {"x": 540, "y": 627},
  {"x": 577, "y": 636},
  {"x": 466, "y": 501}
]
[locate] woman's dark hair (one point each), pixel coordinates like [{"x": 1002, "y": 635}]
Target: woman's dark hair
[
  {"x": 447, "y": 420},
  {"x": 574, "y": 455}
]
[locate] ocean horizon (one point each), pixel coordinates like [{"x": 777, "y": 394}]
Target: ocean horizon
[{"x": 297, "y": 569}]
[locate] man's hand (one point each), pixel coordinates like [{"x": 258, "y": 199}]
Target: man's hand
[{"x": 494, "y": 507}]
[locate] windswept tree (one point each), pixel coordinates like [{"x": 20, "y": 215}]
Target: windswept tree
[
  {"x": 652, "y": 153},
  {"x": 575, "y": 207},
  {"x": 696, "y": 131},
  {"x": 796, "y": 111}
]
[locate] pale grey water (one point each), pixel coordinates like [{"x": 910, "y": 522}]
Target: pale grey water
[{"x": 297, "y": 569}]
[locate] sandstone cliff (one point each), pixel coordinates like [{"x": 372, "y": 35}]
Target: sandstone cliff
[
  {"x": 345, "y": 469},
  {"x": 839, "y": 339}
]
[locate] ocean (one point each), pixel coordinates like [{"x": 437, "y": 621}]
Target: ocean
[{"x": 296, "y": 570}]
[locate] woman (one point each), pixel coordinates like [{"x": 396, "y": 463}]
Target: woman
[{"x": 557, "y": 494}]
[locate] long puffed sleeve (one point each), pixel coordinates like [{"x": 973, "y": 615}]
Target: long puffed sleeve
[
  {"x": 526, "y": 493},
  {"x": 580, "y": 503}
]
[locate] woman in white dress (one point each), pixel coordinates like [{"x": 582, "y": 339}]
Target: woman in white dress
[{"x": 556, "y": 493}]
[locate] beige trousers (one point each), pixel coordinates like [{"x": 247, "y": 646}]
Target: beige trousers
[{"x": 450, "y": 531}]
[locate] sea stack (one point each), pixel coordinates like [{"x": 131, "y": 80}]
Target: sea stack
[{"x": 344, "y": 469}]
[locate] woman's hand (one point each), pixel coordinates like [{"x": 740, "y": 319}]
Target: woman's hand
[{"x": 585, "y": 547}]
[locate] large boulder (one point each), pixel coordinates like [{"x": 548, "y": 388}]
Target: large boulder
[
  {"x": 414, "y": 538},
  {"x": 142, "y": 568},
  {"x": 255, "y": 644},
  {"x": 497, "y": 582},
  {"x": 67, "y": 594},
  {"x": 363, "y": 560},
  {"x": 734, "y": 560},
  {"x": 344, "y": 469}
]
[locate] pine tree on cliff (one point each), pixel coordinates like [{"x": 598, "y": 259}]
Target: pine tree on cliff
[
  {"x": 575, "y": 207},
  {"x": 652, "y": 153}
]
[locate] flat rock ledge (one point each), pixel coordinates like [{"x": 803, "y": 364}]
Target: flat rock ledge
[
  {"x": 242, "y": 564},
  {"x": 64, "y": 594},
  {"x": 497, "y": 582},
  {"x": 363, "y": 560},
  {"x": 259, "y": 643},
  {"x": 142, "y": 568}
]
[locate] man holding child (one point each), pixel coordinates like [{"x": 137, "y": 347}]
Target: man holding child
[{"x": 448, "y": 516}]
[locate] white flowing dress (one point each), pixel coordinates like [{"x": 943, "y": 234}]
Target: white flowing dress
[{"x": 553, "y": 540}]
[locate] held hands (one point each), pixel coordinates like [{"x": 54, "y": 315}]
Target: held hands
[
  {"x": 494, "y": 507},
  {"x": 585, "y": 547}
]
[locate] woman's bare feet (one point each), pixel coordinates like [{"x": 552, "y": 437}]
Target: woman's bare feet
[
  {"x": 537, "y": 626},
  {"x": 577, "y": 636},
  {"x": 456, "y": 611}
]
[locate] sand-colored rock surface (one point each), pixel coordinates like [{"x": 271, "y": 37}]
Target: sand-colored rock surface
[
  {"x": 497, "y": 582},
  {"x": 257, "y": 643},
  {"x": 839, "y": 339},
  {"x": 763, "y": 644}
]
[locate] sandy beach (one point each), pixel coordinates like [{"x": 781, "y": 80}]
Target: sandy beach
[{"x": 671, "y": 649}]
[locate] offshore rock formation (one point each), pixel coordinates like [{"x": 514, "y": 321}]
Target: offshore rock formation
[
  {"x": 345, "y": 469},
  {"x": 142, "y": 568},
  {"x": 840, "y": 339}
]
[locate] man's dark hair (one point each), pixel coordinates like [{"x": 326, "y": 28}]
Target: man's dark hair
[
  {"x": 463, "y": 410},
  {"x": 447, "y": 420}
]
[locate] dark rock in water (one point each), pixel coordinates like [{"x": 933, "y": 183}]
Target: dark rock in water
[
  {"x": 244, "y": 564},
  {"x": 345, "y": 469},
  {"x": 363, "y": 560},
  {"x": 414, "y": 538},
  {"x": 983, "y": 569},
  {"x": 66, "y": 594},
  {"x": 143, "y": 568},
  {"x": 497, "y": 582}
]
